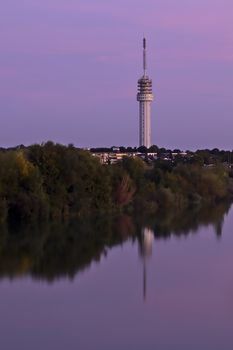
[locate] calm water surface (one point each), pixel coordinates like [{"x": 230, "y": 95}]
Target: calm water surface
[{"x": 162, "y": 286}]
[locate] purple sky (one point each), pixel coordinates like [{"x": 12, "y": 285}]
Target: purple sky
[{"x": 69, "y": 69}]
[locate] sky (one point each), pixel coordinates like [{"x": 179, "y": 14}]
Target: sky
[{"x": 69, "y": 71}]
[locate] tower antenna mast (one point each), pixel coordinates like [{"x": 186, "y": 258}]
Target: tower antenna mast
[{"x": 144, "y": 57}]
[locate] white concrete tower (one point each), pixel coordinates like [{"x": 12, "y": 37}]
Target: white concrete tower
[{"x": 145, "y": 98}]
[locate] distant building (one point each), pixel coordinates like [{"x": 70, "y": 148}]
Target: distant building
[
  {"x": 145, "y": 98},
  {"x": 116, "y": 157},
  {"x": 115, "y": 149}
]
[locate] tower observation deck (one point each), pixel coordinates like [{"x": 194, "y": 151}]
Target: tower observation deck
[{"x": 145, "y": 98}]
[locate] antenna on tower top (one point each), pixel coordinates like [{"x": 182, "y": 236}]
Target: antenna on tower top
[
  {"x": 144, "y": 56},
  {"x": 144, "y": 43}
]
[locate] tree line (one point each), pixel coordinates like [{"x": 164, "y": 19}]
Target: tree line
[{"x": 52, "y": 181}]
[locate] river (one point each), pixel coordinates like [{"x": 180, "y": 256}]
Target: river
[{"x": 164, "y": 283}]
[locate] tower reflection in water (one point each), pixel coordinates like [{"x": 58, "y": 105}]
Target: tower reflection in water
[{"x": 145, "y": 251}]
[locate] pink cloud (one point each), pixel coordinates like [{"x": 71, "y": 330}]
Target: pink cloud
[{"x": 207, "y": 22}]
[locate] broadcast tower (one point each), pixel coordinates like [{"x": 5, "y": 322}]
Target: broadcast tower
[{"x": 145, "y": 97}]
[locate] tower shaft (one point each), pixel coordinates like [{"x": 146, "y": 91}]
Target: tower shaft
[{"x": 145, "y": 123}]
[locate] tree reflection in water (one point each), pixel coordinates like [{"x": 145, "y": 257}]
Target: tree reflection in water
[{"x": 59, "y": 250}]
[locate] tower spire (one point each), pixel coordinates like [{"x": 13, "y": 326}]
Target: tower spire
[{"x": 144, "y": 56}]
